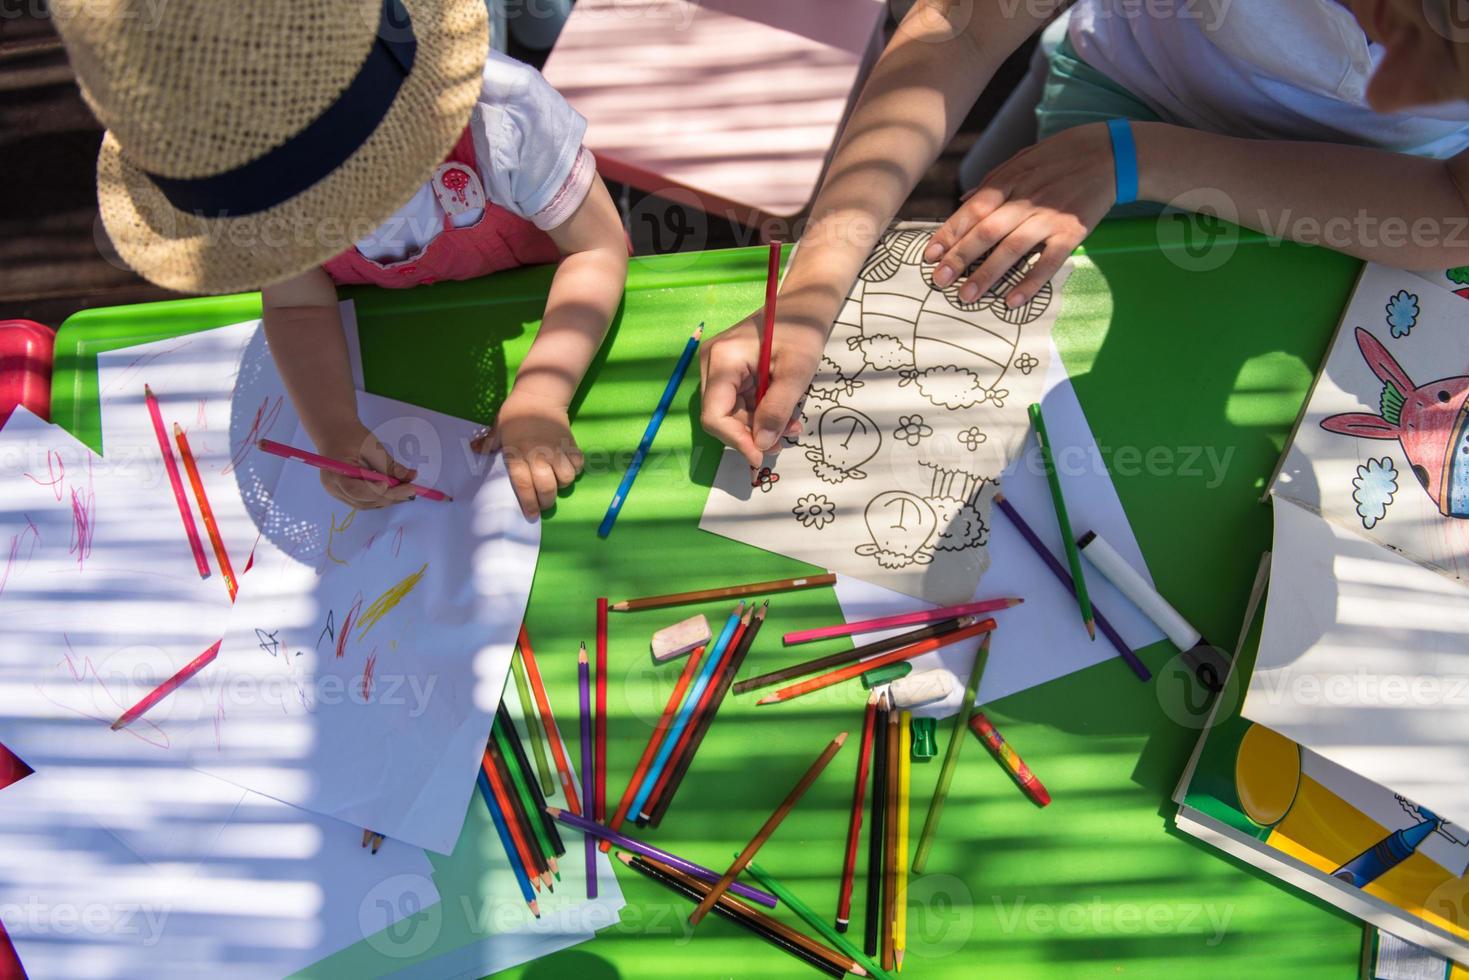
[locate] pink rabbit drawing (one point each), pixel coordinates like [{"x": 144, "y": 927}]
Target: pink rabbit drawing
[{"x": 1429, "y": 421}]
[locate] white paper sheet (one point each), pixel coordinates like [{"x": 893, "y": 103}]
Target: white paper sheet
[
  {"x": 1363, "y": 659},
  {"x": 1048, "y": 620},
  {"x": 368, "y": 649},
  {"x": 919, "y": 405}
]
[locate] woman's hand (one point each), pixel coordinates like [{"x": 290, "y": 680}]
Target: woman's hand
[
  {"x": 729, "y": 370},
  {"x": 540, "y": 453},
  {"x": 357, "y": 445},
  {"x": 1047, "y": 197}
]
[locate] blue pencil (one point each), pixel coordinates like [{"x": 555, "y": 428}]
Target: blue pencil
[
  {"x": 505, "y": 841},
  {"x": 659, "y": 414},
  {"x": 685, "y": 711}
]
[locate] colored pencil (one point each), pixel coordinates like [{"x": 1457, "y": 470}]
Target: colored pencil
[
  {"x": 1057, "y": 569},
  {"x": 854, "y": 825},
  {"x": 660, "y": 729},
  {"x": 951, "y": 758},
  {"x": 584, "y": 692},
  {"x": 856, "y": 670},
  {"x": 767, "y": 332},
  {"x": 599, "y": 804},
  {"x": 538, "y": 799},
  {"x": 876, "y": 839},
  {"x": 919, "y": 618},
  {"x": 171, "y": 467},
  {"x": 640, "y": 455},
  {"x": 1009, "y": 759},
  {"x": 346, "y": 469},
  {"x": 768, "y": 828},
  {"x": 619, "y": 839},
  {"x": 211, "y": 527},
  {"x": 507, "y": 843},
  {"x": 890, "y": 844},
  {"x": 725, "y": 911},
  {"x": 796, "y": 905},
  {"x": 725, "y": 592},
  {"x": 905, "y": 783},
  {"x": 375, "y": 839},
  {"x": 855, "y": 653},
  {"x": 533, "y": 730},
  {"x": 146, "y": 703},
  {"x": 1058, "y": 500},
  {"x": 526, "y": 807},
  {"x": 685, "y": 711},
  {"x": 705, "y": 718},
  {"x": 518, "y": 828},
  {"x": 553, "y": 734}
]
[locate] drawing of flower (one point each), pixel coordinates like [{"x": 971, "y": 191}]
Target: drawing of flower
[
  {"x": 971, "y": 437},
  {"x": 814, "y": 511},
  {"x": 912, "y": 429},
  {"x": 765, "y": 480},
  {"x": 996, "y": 396},
  {"x": 1027, "y": 362},
  {"x": 1402, "y": 313}
]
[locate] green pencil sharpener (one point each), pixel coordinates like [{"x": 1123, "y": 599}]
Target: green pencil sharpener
[
  {"x": 884, "y": 674},
  {"x": 925, "y": 739}
]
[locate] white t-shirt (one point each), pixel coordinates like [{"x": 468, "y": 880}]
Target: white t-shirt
[
  {"x": 1279, "y": 69},
  {"x": 529, "y": 155}
]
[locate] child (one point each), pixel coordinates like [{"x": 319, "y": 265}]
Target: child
[
  {"x": 382, "y": 142},
  {"x": 1262, "y": 104}
]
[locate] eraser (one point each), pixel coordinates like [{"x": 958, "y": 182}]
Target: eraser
[
  {"x": 674, "y": 641},
  {"x": 884, "y": 674},
  {"x": 920, "y": 689}
]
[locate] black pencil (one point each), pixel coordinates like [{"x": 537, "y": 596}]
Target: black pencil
[
  {"x": 848, "y": 656},
  {"x": 517, "y": 748},
  {"x": 871, "y": 943},
  {"x": 705, "y": 719},
  {"x": 521, "y": 817}
]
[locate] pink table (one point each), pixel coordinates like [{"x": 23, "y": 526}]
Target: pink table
[{"x": 732, "y": 105}]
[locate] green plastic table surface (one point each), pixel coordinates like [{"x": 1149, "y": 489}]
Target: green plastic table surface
[{"x": 1190, "y": 379}]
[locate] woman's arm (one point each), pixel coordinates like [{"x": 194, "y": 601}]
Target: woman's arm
[{"x": 941, "y": 57}]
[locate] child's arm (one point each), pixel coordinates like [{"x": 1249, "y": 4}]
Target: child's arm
[
  {"x": 533, "y": 427},
  {"x": 305, "y": 335},
  {"x": 922, "y": 87}
]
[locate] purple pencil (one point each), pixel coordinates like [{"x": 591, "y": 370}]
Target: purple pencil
[
  {"x": 593, "y": 830},
  {"x": 584, "y": 689},
  {"x": 1039, "y": 547}
]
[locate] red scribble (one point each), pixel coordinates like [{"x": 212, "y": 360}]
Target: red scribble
[
  {"x": 346, "y": 629},
  {"x": 368, "y": 545},
  {"x": 398, "y": 542},
  {"x": 17, "y": 541},
  {"x": 55, "y": 469},
  {"x": 137, "y": 364},
  {"x": 265, "y": 418},
  {"x": 136, "y": 730},
  {"x": 367, "y": 671},
  {"x": 201, "y": 421}
]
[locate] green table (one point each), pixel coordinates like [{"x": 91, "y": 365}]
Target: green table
[{"x": 1171, "y": 364}]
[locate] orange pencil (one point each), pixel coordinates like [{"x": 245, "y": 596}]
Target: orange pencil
[
  {"x": 863, "y": 666},
  {"x": 553, "y": 734},
  {"x": 205, "y": 511},
  {"x": 171, "y": 467},
  {"x": 502, "y": 799}
]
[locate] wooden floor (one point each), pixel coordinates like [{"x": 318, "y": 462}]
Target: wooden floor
[{"x": 54, "y": 256}]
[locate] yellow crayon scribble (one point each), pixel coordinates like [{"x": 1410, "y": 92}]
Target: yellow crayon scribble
[
  {"x": 384, "y": 603},
  {"x": 338, "y": 529}
]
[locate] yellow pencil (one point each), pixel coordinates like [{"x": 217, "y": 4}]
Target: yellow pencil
[{"x": 905, "y": 774}]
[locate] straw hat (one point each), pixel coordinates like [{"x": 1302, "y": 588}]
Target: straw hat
[{"x": 249, "y": 142}]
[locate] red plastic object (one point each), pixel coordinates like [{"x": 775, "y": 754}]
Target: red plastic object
[{"x": 25, "y": 367}]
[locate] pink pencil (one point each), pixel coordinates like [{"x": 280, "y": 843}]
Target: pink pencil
[
  {"x": 902, "y": 619},
  {"x": 346, "y": 469},
  {"x": 167, "y": 687},
  {"x": 172, "y": 467}
]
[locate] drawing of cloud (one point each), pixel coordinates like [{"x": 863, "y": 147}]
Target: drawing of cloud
[
  {"x": 951, "y": 387},
  {"x": 1402, "y": 313},
  {"x": 883, "y": 351},
  {"x": 960, "y": 526},
  {"x": 1374, "y": 486}
]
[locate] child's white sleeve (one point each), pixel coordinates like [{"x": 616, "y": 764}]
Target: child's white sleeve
[{"x": 528, "y": 141}]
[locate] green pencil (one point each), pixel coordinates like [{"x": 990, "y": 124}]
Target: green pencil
[
  {"x": 527, "y": 799},
  {"x": 1073, "y": 554},
  {"x": 815, "y": 921},
  {"x": 533, "y": 725},
  {"x": 951, "y": 758}
]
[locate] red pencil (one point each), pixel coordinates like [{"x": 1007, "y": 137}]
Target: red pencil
[
  {"x": 167, "y": 687},
  {"x": 346, "y": 469},
  {"x": 767, "y": 335},
  {"x": 172, "y": 468},
  {"x": 502, "y": 799},
  {"x": 553, "y": 734},
  {"x": 599, "y": 805},
  {"x": 659, "y": 730},
  {"x": 854, "y": 828}
]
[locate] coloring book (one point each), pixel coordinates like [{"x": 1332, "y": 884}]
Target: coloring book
[{"x": 918, "y": 406}]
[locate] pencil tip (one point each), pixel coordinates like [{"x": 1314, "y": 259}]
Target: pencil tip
[
  {"x": 699, "y": 332},
  {"x": 1091, "y": 628},
  {"x": 148, "y": 390},
  {"x": 768, "y": 699},
  {"x": 581, "y": 655},
  {"x": 1017, "y": 601},
  {"x": 625, "y": 859},
  {"x": 117, "y": 724},
  {"x": 999, "y": 498},
  {"x": 554, "y": 811},
  {"x": 840, "y": 739},
  {"x": 178, "y": 430}
]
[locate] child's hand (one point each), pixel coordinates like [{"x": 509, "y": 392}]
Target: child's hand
[
  {"x": 729, "y": 369},
  {"x": 358, "y": 446},
  {"x": 540, "y": 453},
  {"x": 1049, "y": 196}
]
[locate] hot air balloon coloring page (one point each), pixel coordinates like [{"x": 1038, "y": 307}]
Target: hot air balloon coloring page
[{"x": 919, "y": 404}]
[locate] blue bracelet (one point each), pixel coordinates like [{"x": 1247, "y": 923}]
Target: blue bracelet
[{"x": 1124, "y": 159}]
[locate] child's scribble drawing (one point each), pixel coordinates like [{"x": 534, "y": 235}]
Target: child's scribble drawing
[
  {"x": 265, "y": 419},
  {"x": 55, "y": 473},
  {"x": 384, "y": 603},
  {"x": 1428, "y": 421},
  {"x": 846, "y": 440},
  {"x": 1402, "y": 313},
  {"x": 83, "y": 507},
  {"x": 347, "y": 621},
  {"x": 367, "y": 671},
  {"x": 335, "y": 529},
  {"x": 1373, "y": 489},
  {"x": 397, "y": 542},
  {"x": 22, "y": 546}
]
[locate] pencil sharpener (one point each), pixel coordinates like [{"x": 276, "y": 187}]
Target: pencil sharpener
[{"x": 925, "y": 739}]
